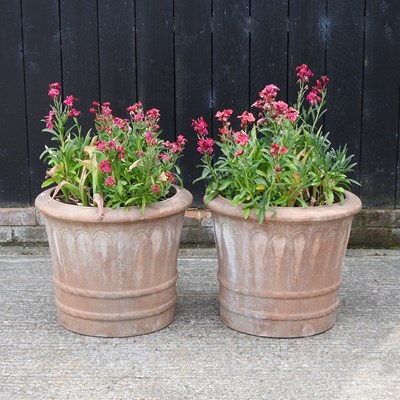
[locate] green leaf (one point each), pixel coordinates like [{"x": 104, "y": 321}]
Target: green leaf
[
  {"x": 210, "y": 196},
  {"x": 49, "y": 182},
  {"x": 225, "y": 185}
]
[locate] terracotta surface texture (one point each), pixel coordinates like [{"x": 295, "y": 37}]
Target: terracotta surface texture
[
  {"x": 115, "y": 277},
  {"x": 281, "y": 278}
]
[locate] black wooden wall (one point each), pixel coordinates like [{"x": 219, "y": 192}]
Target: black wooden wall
[{"x": 192, "y": 57}]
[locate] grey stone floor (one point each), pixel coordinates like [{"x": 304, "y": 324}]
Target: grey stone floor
[{"x": 197, "y": 357}]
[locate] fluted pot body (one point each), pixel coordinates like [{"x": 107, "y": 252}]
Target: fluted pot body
[
  {"x": 281, "y": 278},
  {"x": 114, "y": 277}
]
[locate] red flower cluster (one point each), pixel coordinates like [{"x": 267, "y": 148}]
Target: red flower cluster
[
  {"x": 304, "y": 73},
  {"x": 49, "y": 120},
  {"x": 200, "y": 126},
  {"x": 175, "y": 147},
  {"x": 155, "y": 189},
  {"x": 205, "y": 145},
  {"x": 223, "y": 116},
  {"x": 110, "y": 181},
  {"x": 54, "y": 90},
  {"x": 246, "y": 118},
  {"x": 241, "y": 138},
  {"x": 275, "y": 109},
  {"x": 277, "y": 150},
  {"x": 315, "y": 95},
  {"x": 105, "y": 167},
  {"x": 150, "y": 139}
]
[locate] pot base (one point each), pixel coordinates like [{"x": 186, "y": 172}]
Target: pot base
[
  {"x": 277, "y": 329},
  {"x": 118, "y": 328}
]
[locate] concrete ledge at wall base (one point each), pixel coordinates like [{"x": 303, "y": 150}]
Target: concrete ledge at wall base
[{"x": 371, "y": 228}]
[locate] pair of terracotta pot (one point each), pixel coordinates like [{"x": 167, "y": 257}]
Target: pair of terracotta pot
[{"x": 117, "y": 277}]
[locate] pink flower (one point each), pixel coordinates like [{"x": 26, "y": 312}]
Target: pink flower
[
  {"x": 176, "y": 147},
  {"x": 110, "y": 181},
  {"x": 181, "y": 140},
  {"x": 304, "y": 73},
  {"x": 112, "y": 144},
  {"x": 49, "y": 120},
  {"x": 155, "y": 189},
  {"x": 164, "y": 157},
  {"x": 92, "y": 110},
  {"x": 69, "y": 101},
  {"x": 53, "y": 93},
  {"x": 224, "y": 115},
  {"x": 150, "y": 140},
  {"x": 101, "y": 145},
  {"x": 291, "y": 114},
  {"x": 274, "y": 150},
  {"x": 135, "y": 108},
  {"x": 154, "y": 113},
  {"x": 261, "y": 121},
  {"x": 121, "y": 123},
  {"x": 200, "y": 126},
  {"x": 205, "y": 146},
  {"x": 313, "y": 98},
  {"x": 105, "y": 167},
  {"x": 106, "y": 110},
  {"x": 138, "y": 117},
  {"x": 121, "y": 152},
  {"x": 278, "y": 169},
  {"x": 269, "y": 93},
  {"x": 73, "y": 113},
  {"x": 241, "y": 138},
  {"x": 224, "y": 131},
  {"x": 277, "y": 150},
  {"x": 280, "y": 107},
  {"x": 259, "y": 104},
  {"x": 55, "y": 85},
  {"x": 238, "y": 153},
  {"x": 95, "y": 104},
  {"x": 170, "y": 177},
  {"x": 324, "y": 80},
  {"x": 54, "y": 90},
  {"x": 318, "y": 90},
  {"x": 246, "y": 118},
  {"x": 139, "y": 154}
]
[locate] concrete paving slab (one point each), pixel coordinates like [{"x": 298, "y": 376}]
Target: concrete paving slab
[{"x": 197, "y": 356}]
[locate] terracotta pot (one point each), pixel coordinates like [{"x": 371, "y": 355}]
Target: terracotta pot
[
  {"x": 281, "y": 278},
  {"x": 115, "y": 277}
]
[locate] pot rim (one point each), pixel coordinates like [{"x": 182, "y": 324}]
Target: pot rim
[
  {"x": 350, "y": 206},
  {"x": 49, "y": 207}
]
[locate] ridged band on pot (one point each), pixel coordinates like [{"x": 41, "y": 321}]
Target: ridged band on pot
[
  {"x": 281, "y": 278},
  {"x": 115, "y": 277}
]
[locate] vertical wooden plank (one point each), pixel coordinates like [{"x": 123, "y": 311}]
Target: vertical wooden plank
[
  {"x": 381, "y": 103},
  {"x": 231, "y": 56},
  {"x": 14, "y": 177},
  {"x": 193, "y": 80},
  {"x": 117, "y": 54},
  {"x": 42, "y": 66},
  {"x": 307, "y": 39},
  {"x": 155, "y": 60},
  {"x": 344, "y": 67},
  {"x": 80, "y": 55},
  {"x": 268, "y": 52},
  {"x": 397, "y": 204}
]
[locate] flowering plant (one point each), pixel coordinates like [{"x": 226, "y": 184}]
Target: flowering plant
[
  {"x": 123, "y": 163},
  {"x": 279, "y": 158}
]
